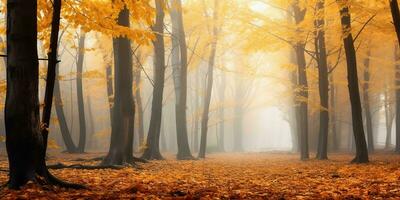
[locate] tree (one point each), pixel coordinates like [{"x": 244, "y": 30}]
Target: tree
[
  {"x": 323, "y": 83},
  {"x": 210, "y": 79},
  {"x": 26, "y": 136},
  {"x": 180, "y": 79},
  {"x": 367, "y": 109},
  {"x": 352, "y": 76},
  {"x": 79, "y": 87},
  {"x": 120, "y": 151},
  {"x": 152, "y": 150},
  {"x": 302, "y": 108}
]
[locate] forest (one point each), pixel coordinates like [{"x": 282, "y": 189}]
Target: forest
[{"x": 199, "y": 99}]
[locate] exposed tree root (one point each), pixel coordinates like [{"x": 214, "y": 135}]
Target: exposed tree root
[
  {"x": 134, "y": 159},
  {"x": 79, "y": 166},
  {"x": 186, "y": 157}
]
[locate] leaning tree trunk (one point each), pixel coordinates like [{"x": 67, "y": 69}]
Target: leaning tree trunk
[
  {"x": 124, "y": 107},
  {"x": 323, "y": 83},
  {"x": 181, "y": 81},
  {"x": 58, "y": 104},
  {"x": 152, "y": 150},
  {"x": 209, "y": 86},
  {"x": 354, "y": 92},
  {"x": 367, "y": 110},
  {"x": 302, "y": 108},
  {"x": 79, "y": 88}
]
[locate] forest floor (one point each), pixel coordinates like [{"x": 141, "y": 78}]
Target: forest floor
[{"x": 225, "y": 176}]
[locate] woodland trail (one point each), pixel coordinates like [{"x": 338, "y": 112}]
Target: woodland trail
[{"x": 225, "y": 176}]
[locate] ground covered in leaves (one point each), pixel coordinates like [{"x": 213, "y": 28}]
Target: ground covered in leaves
[{"x": 225, "y": 176}]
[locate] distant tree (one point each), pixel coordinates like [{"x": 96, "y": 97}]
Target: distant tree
[{"x": 367, "y": 104}]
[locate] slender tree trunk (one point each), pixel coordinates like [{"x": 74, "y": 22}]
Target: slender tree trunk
[
  {"x": 79, "y": 87},
  {"x": 196, "y": 114},
  {"x": 302, "y": 108},
  {"x": 124, "y": 107},
  {"x": 221, "y": 114},
  {"x": 152, "y": 150},
  {"x": 333, "y": 117},
  {"x": 110, "y": 90},
  {"x": 59, "y": 106},
  {"x": 388, "y": 120},
  {"x": 139, "y": 104},
  {"x": 238, "y": 114},
  {"x": 181, "y": 81},
  {"x": 91, "y": 143},
  {"x": 354, "y": 92},
  {"x": 208, "y": 92},
  {"x": 367, "y": 110},
  {"x": 322, "y": 151}
]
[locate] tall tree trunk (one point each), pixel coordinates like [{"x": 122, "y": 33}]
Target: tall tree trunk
[
  {"x": 110, "y": 90},
  {"x": 210, "y": 79},
  {"x": 139, "y": 104},
  {"x": 367, "y": 110},
  {"x": 181, "y": 81},
  {"x": 26, "y": 136},
  {"x": 354, "y": 92},
  {"x": 124, "y": 107},
  {"x": 58, "y": 104},
  {"x": 23, "y": 138},
  {"x": 196, "y": 114},
  {"x": 152, "y": 150},
  {"x": 397, "y": 93},
  {"x": 388, "y": 120},
  {"x": 302, "y": 108},
  {"x": 79, "y": 88},
  {"x": 238, "y": 114},
  {"x": 333, "y": 117},
  {"x": 91, "y": 143},
  {"x": 322, "y": 152},
  {"x": 221, "y": 114}
]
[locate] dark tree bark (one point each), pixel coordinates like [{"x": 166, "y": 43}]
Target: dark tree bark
[
  {"x": 302, "y": 108},
  {"x": 394, "y": 7},
  {"x": 26, "y": 136},
  {"x": 152, "y": 150},
  {"x": 59, "y": 106},
  {"x": 323, "y": 83},
  {"x": 354, "y": 92},
  {"x": 79, "y": 87},
  {"x": 367, "y": 110},
  {"x": 124, "y": 107},
  {"x": 110, "y": 90},
  {"x": 397, "y": 94},
  {"x": 209, "y": 86},
  {"x": 181, "y": 82}
]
